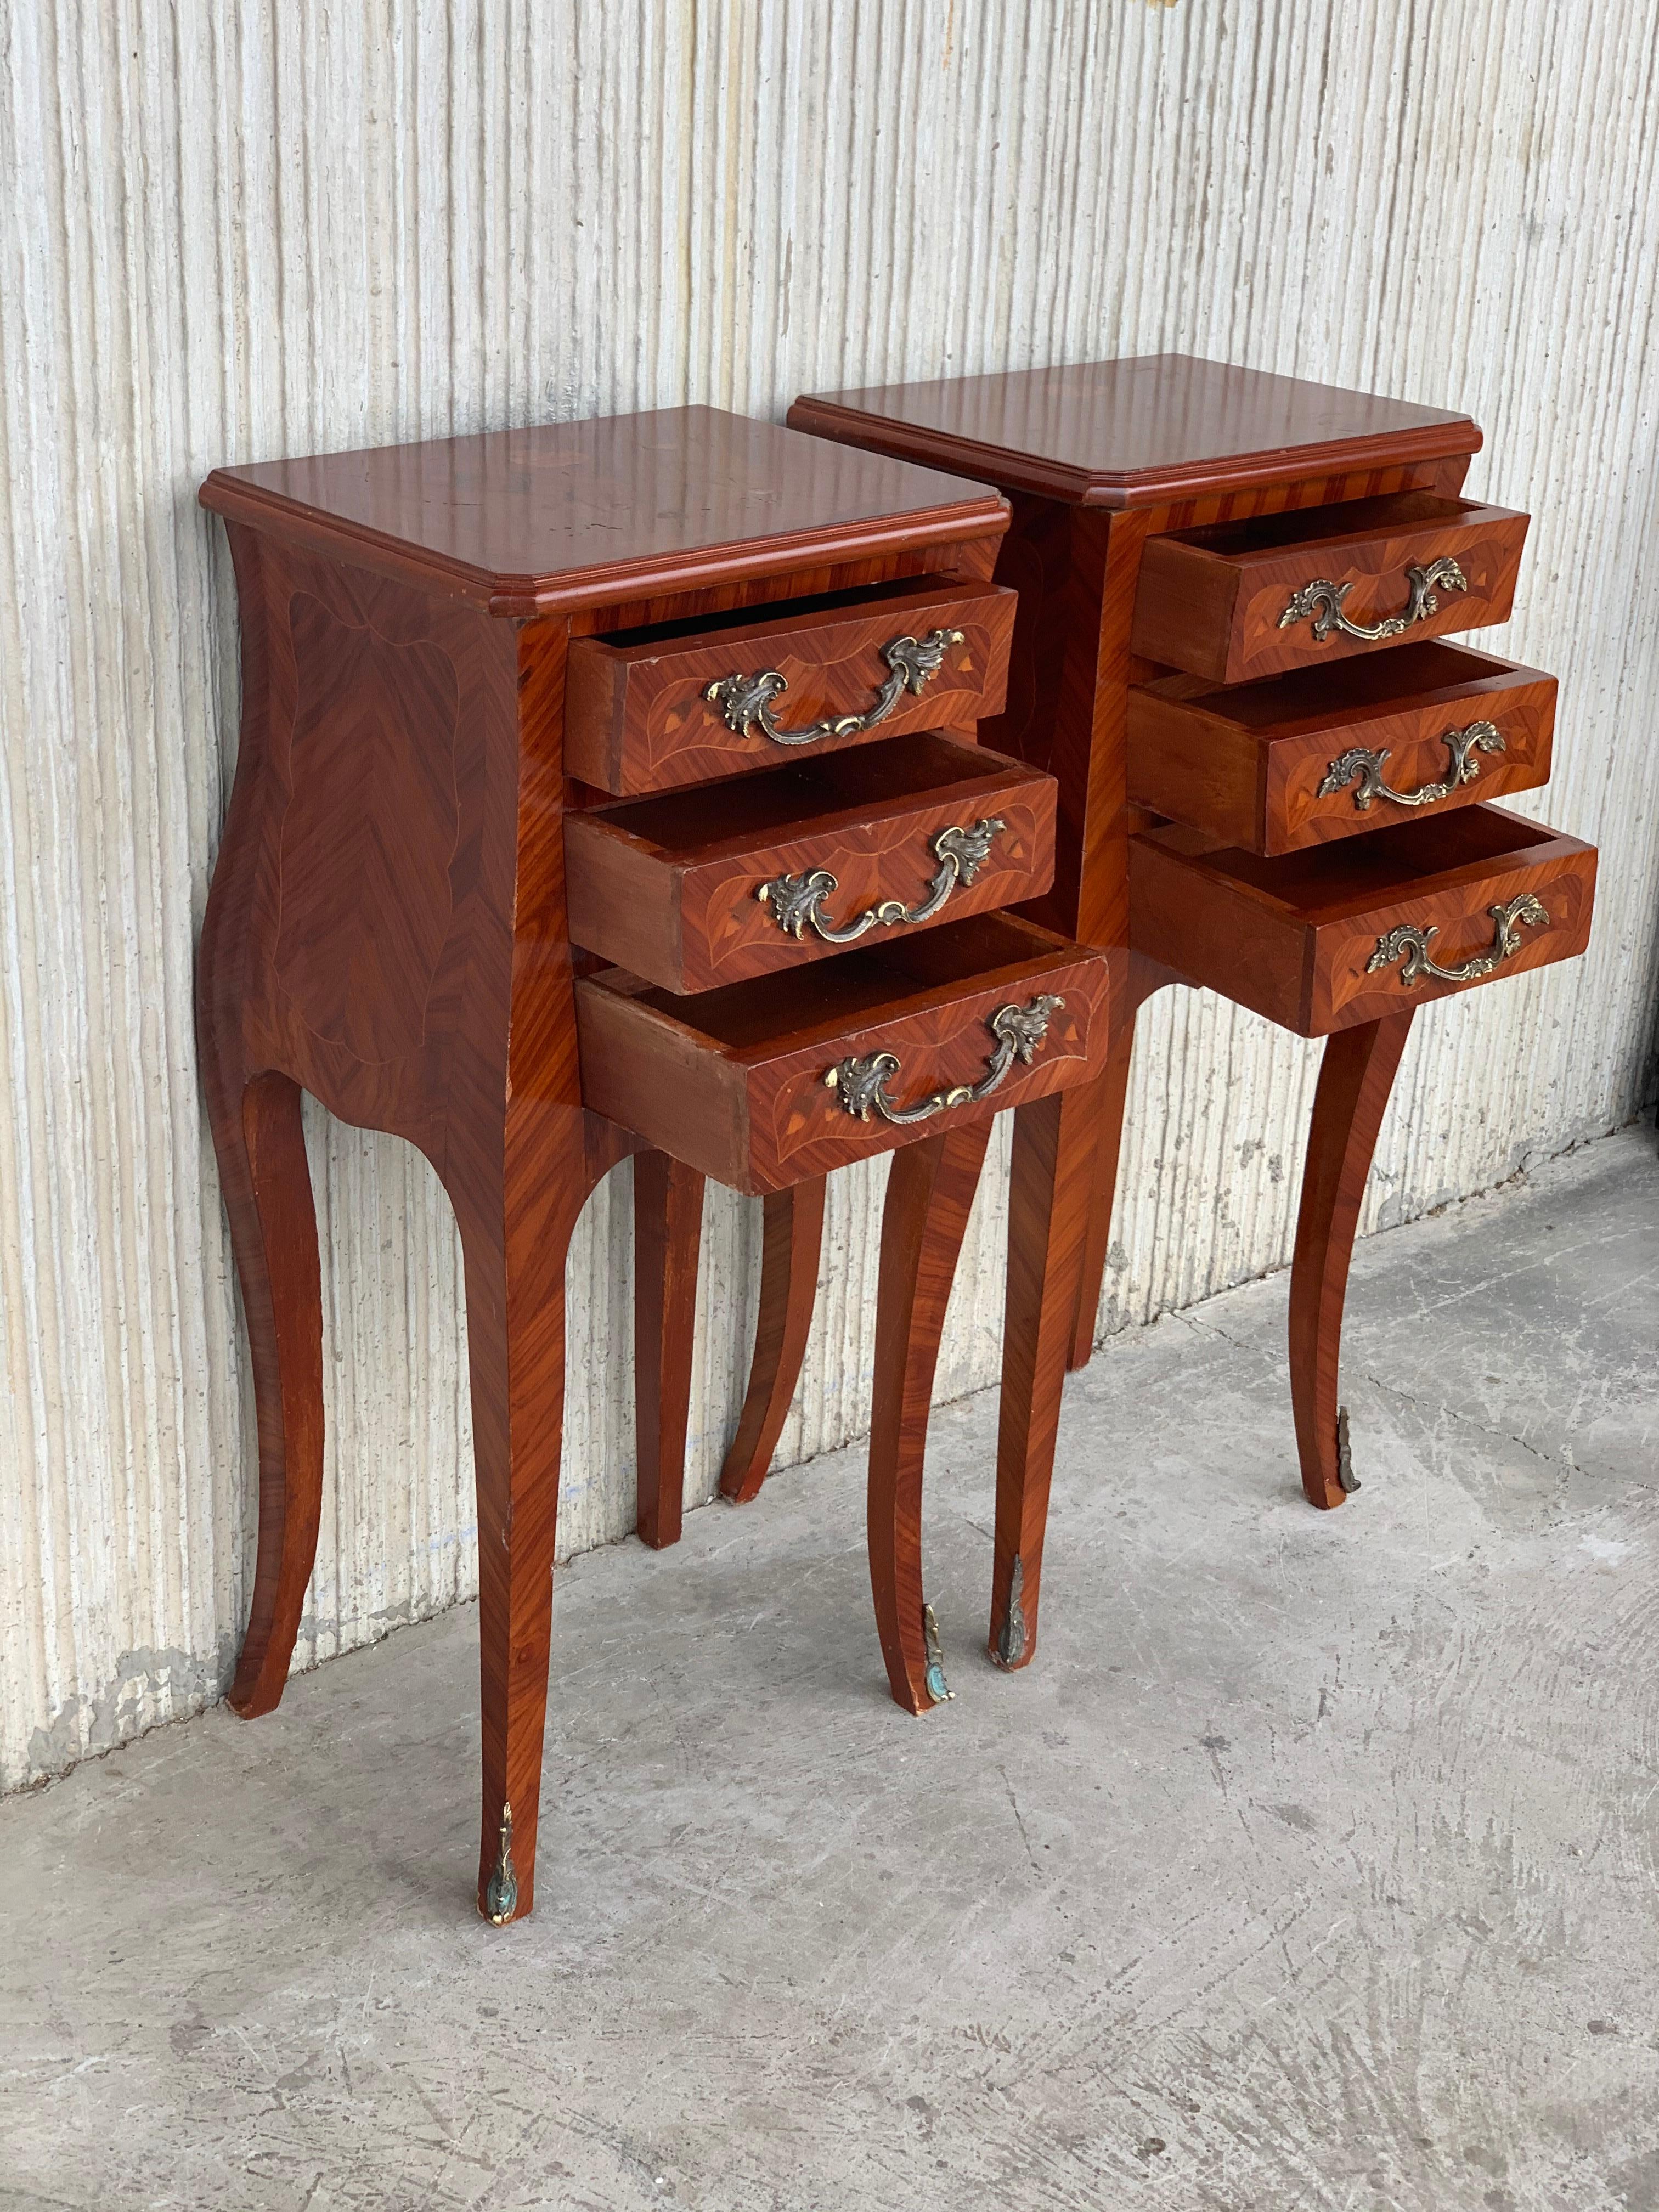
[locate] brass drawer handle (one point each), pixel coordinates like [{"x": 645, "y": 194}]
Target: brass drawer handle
[
  {"x": 746, "y": 701},
  {"x": 795, "y": 902},
  {"x": 861, "y": 1085},
  {"x": 1364, "y": 769},
  {"x": 1324, "y": 597},
  {"x": 1525, "y": 912}
]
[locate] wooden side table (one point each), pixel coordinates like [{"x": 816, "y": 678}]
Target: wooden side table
[
  {"x": 1229, "y": 585},
  {"x": 604, "y": 787}
]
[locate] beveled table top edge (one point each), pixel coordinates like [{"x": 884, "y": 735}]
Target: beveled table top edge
[
  {"x": 1435, "y": 435},
  {"x": 968, "y": 508}
]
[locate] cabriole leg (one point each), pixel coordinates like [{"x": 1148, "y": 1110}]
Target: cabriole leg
[
  {"x": 667, "y": 1238},
  {"x": 1048, "y": 1193},
  {"x": 273, "y": 1231},
  {"x": 930, "y": 1192},
  {"x": 1355, "y": 1079},
  {"x": 792, "y": 1239}
]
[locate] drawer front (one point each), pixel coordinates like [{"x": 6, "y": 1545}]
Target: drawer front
[
  {"x": 917, "y": 1053},
  {"x": 1235, "y": 602},
  {"x": 1503, "y": 922},
  {"x": 659, "y": 711},
  {"x": 939, "y": 830},
  {"x": 1300, "y": 759},
  {"x": 1337, "y": 934}
]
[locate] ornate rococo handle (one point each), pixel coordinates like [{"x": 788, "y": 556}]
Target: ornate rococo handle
[
  {"x": 1364, "y": 769},
  {"x": 861, "y": 1084},
  {"x": 1525, "y": 912},
  {"x": 745, "y": 702},
  {"x": 795, "y": 902},
  {"x": 1322, "y": 600}
]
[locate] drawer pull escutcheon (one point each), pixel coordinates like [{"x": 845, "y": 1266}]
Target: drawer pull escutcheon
[
  {"x": 1364, "y": 769},
  {"x": 1508, "y": 921},
  {"x": 1323, "y": 599},
  {"x": 795, "y": 902},
  {"x": 746, "y": 701},
  {"x": 861, "y": 1084}
]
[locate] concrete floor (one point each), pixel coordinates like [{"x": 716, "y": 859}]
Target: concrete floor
[{"x": 1313, "y": 1864}]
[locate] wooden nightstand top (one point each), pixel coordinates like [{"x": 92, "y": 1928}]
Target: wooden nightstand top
[
  {"x": 573, "y": 513},
  {"x": 1135, "y": 433}
]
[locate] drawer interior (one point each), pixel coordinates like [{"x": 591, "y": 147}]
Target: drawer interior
[
  {"x": 1370, "y": 870},
  {"x": 855, "y": 988},
  {"x": 1304, "y": 701},
  {"x": 815, "y": 794},
  {"x": 784, "y": 613},
  {"x": 1359, "y": 519}
]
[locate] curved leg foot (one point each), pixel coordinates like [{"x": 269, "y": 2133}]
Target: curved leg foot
[
  {"x": 273, "y": 1232},
  {"x": 1047, "y": 1209},
  {"x": 1355, "y": 1078},
  {"x": 792, "y": 1240},
  {"x": 667, "y": 1237},
  {"x": 930, "y": 1192}
]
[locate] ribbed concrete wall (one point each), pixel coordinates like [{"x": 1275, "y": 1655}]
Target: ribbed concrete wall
[{"x": 231, "y": 232}]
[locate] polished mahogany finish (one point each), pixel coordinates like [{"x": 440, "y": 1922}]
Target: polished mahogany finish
[
  {"x": 575, "y": 516},
  {"x": 640, "y": 716},
  {"x": 1269, "y": 765},
  {"x": 1299, "y": 938},
  {"x": 1149, "y": 431},
  {"x": 1226, "y": 494},
  {"x": 735, "y": 1080},
  {"x": 670, "y": 887},
  {"x": 1355, "y": 1077},
  {"x": 1235, "y": 601},
  {"x": 792, "y": 1238},
  {"x": 387, "y": 928},
  {"x": 930, "y": 1193},
  {"x": 667, "y": 1243}
]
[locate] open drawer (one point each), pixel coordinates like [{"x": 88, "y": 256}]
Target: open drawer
[
  {"x": 1236, "y": 600},
  {"x": 1320, "y": 753},
  {"x": 712, "y": 695},
  {"x": 1343, "y": 933},
  {"x": 697, "y": 888},
  {"x": 762, "y": 1083}
]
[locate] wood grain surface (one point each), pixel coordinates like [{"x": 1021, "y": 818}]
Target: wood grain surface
[
  {"x": 930, "y": 1194},
  {"x": 791, "y": 1243},
  {"x": 1291, "y": 937},
  {"x": 667, "y": 1240},
  {"x": 638, "y": 718},
  {"x": 1209, "y": 601},
  {"x": 1247, "y": 763},
  {"x": 1139, "y": 432},
  {"x": 1048, "y": 1194},
  {"x": 732, "y": 1081},
  {"x": 667, "y": 887},
  {"x": 394, "y": 942},
  {"x": 1355, "y": 1077},
  {"x": 559, "y": 516}
]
